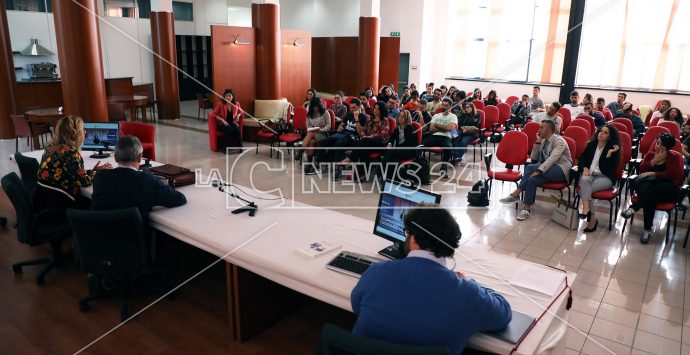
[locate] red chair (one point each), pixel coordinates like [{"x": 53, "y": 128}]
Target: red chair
[
  {"x": 213, "y": 132},
  {"x": 658, "y": 103},
  {"x": 628, "y": 124},
  {"x": 503, "y": 113},
  {"x": 590, "y": 120},
  {"x": 329, "y": 102},
  {"x": 21, "y": 130},
  {"x": 299, "y": 127},
  {"x": 560, "y": 186},
  {"x": 377, "y": 155},
  {"x": 478, "y": 104},
  {"x": 647, "y": 120},
  {"x": 565, "y": 114},
  {"x": 511, "y": 99},
  {"x": 650, "y": 137},
  {"x": 620, "y": 127},
  {"x": 581, "y": 124},
  {"x": 478, "y": 141},
  {"x": 655, "y": 121},
  {"x": 636, "y": 112},
  {"x": 372, "y": 102},
  {"x": 269, "y": 135},
  {"x": 673, "y": 127},
  {"x": 146, "y": 134},
  {"x": 580, "y": 136},
  {"x": 490, "y": 124},
  {"x": 512, "y": 151},
  {"x": 348, "y": 99},
  {"x": 332, "y": 114},
  {"x": 531, "y": 129}
]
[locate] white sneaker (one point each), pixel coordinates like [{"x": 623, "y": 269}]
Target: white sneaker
[
  {"x": 509, "y": 199},
  {"x": 523, "y": 215}
]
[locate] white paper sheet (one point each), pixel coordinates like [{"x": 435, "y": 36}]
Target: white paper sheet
[{"x": 540, "y": 279}]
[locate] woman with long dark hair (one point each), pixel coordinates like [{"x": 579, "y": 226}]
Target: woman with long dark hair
[
  {"x": 664, "y": 107},
  {"x": 311, "y": 93},
  {"x": 376, "y": 134},
  {"x": 469, "y": 123},
  {"x": 491, "y": 99},
  {"x": 227, "y": 114},
  {"x": 318, "y": 125},
  {"x": 673, "y": 114},
  {"x": 598, "y": 165}
]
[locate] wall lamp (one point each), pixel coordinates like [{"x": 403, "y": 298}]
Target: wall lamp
[
  {"x": 238, "y": 40},
  {"x": 298, "y": 42}
]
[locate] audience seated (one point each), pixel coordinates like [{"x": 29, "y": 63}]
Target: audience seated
[
  {"x": 599, "y": 119},
  {"x": 551, "y": 115},
  {"x": 421, "y": 114},
  {"x": 375, "y": 134},
  {"x": 536, "y": 104},
  {"x": 477, "y": 94},
  {"x": 428, "y": 95},
  {"x": 403, "y": 137},
  {"x": 227, "y": 114},
  {"x": 346, "y": 135},
  {"x": 392, "y": 105},
  {"x": 574, "y": 106},
  {"x": 448, "y": 308},
  {"x": 598, "y": 165},
  {"x": 673, "y": 114},
  {"x": 553, "y": 159},
  {"x": 469, "y": 124},
  {"x": 664, "y": 106},
  {"x": 311, "y": 93},
  {"x": 601, "y": 108},
  {"x": 440, "y": 127},
  {"x": 412, "y": 103},
  {"x": 368, "y": 110},
  {"x": 318, "y": 126},
  {"x": 587, "y": 99},
  {"x": 406, "y": 96},
  {"x": 127, "y": 186},
  {"x": 385, "y": 93},
  {"x": 627, "y": 112},
  {"x": 61, "y": 173},
  {"x": 520, "y": 111},
  {"x": 616, "y": 106},
  {"x": 339, "y": 109},
  {"x": 435, "y": 104},
  {"x": 491, "y": 99},
  {"x": 659, "y": 181}
]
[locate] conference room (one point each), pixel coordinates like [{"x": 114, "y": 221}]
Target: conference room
[{"x": 344, "y": 176}]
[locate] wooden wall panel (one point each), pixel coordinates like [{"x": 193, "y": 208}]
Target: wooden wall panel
[
  {"x": 321, "y": 63},
  {"x": 119, "y": 86},
  {"x": 296, "y": 61},
  {"x": 234, "y": 65},
  {"x": 389, "y": 61}
]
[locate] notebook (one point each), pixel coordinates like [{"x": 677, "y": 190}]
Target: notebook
[{"x": 516, "y": 330}]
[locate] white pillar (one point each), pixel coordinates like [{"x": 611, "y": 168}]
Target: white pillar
[
  {"x": 370, "y": 8},
  {"x": 161, "y": 5}
]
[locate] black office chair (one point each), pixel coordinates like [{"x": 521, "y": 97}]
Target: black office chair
[
  {"x": 48, "y": 226},
  {"x": 28, "y": 168},
  {"x": 111, "y": 247},
  {"x": 337, "y": 341}
]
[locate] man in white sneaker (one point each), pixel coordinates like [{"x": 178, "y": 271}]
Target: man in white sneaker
[{"x": 554, "y": 162}]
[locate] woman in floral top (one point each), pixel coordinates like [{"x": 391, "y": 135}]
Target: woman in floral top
[
  {"x": 339, "y": 109},
  {"x": 61, "y": 173},
  {"x": 376, "y": 134}
]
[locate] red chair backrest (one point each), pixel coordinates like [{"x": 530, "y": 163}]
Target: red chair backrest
[
  {"x": 636, "y": 112},
  {"x": 581, "y": 124},
  {"x": 372, "y": 102},
  {"x": 580, "y": 136},
  {"x": 628, "y": 124},
  {"x": 491, "y": 116},
  {"x": 620, "y": 127},
  {"x": 21, "y": 126},
  {"x": 590, "y": 120},
  {"x": 392, "y": 123},
  {"x": 647, "y": 120},
  {"x": 478, "y": 104},
  {"x": 650, "y": 137},
  {"x": 511, "y": 99},
  {"x": 572, "y": 146},
  {"x": 678, "y": 147},
  {"x": 655, "y": 121},
  {"x": 513, "y": 148},
  {"x": 673, "y": 127},
  {"x": 299, "y": 119},
  {"x": 145, "y": 132},
  {"x": 531, "y": 129},
  {"x": 329, "y": 102},
  {"x": 332, "y": 114},
  {"x": 438, "y": 110},
  {"x": 348, "y": 99},
  {"x": 503, "y": 111},
  {"x": 565, "y": 114},
  {"x": 482, "y": 117},
  {"x": 626, "y": 154},
  {"x": 658, "y": 103},
  {"x": 418, "y": 131}
]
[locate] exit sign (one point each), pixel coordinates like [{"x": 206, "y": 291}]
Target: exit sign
[{"x": 395, "y": 34}]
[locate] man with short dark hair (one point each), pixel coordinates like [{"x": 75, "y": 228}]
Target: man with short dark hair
[
  {"x": 447, "y": 307},
  {"x": 440, "y": 127},
  {"x": 536, "y": 104},
  {"x": 574, "y": 106},
  {"x": 352, "y": 124},
  {"x": 520, "y": 111},
  {"x": 428, "y": 95},
  {"x": 552, "y": 155},
  {"x": 437, "y": 99},
  {"x": 421, "y": 114},
  {"x": 626, "y": 111},
  {"x": 601, "y": 107},
  {"x": 552, "y": 115},
  {"x": 413, "y": 102},
  {"x": 126, "y": 186},
  {"x": 617, "y": 105},
  {"x": 392, "y": 105},
  {"x": 599, "y": 119},
  {"x": 364, "y": 102}
]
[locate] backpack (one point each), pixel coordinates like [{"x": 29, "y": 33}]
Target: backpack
[
  {"x": 416, "y": 172},
  {"x": 479, "y": 194}
]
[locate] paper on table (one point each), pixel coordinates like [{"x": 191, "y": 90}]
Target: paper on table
[{"x": 539, "y": 279}]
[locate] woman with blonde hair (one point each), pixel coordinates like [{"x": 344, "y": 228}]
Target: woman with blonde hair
[{"x": 61, "y": 173}]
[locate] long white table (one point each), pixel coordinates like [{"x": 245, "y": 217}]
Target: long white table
[{"x": 267, "y": 246}]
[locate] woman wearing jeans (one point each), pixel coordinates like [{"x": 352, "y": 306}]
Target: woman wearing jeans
[
  {"x": 598, "y": 166},
  {"x": 469, "y": 123},
  {"x": 660, "y": 181}
]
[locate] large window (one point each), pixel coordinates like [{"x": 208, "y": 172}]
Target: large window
[
  {"x": 29, "y": 5},
  {"x": 183, "y": 11},
  {"x": 507, "y": 40},
  {"x": 128, "y": 8},
  {"x": 636, "y": 44}
]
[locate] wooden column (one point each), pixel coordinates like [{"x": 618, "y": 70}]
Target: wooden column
[
  {"x": 164, "y": 64},
  {"x": 368, "y": 53},
  {"x": 8, "y": 80},
  {"x": 79, "y": 52},
  {"x": 266, "y": 20}
]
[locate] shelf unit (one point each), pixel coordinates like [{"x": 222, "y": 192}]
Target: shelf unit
[{"x": 193, "y": 58}]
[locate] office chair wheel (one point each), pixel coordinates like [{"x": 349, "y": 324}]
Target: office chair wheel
[
  {"x": 16, "y": 269},
  {"x": 40, "y": 281},
  {"x": 84, "y": 307}
]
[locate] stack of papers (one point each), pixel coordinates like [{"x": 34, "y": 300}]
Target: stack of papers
[{"x": 539, "y": 278}]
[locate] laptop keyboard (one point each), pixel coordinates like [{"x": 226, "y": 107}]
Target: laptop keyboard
[{"x": 352, "y": 264}]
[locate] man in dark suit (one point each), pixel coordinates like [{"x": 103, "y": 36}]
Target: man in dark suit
[{"x": 126, "y": 186}]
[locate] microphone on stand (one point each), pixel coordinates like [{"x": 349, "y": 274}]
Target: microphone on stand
[
  {"x": 101, "y": 154},
  {"x": 251, "y": 207}
]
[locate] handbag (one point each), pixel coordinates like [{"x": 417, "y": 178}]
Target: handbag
[
  {"x": 564, "y": 214},
  {"x": 175, "y": 175}
]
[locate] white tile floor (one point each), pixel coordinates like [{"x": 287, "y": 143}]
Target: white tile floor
[{"x": 628, "y": 297}]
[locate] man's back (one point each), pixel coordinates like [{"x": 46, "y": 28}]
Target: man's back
[
  {"x": 417, "y": 301},
  {"x": 125, "y": 187}
]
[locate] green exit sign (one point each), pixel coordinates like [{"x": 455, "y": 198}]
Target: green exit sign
[{"x": 395, "y": 34}]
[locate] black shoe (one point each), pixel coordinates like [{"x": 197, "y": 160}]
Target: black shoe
[
  {"x": 587, "y": 230},
  {"x": 646, "y": 236},
  {"x": 337, "y": 174},
  {"x": 629, "y": 212},
  {"x": 309, "y": 169},
  {"x": 586, "y": 216}
]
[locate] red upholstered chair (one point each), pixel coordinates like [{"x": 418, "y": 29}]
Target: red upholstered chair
[
  {"x": 531, "y": 129},
  {"x": 673, "y": 127},
  {"x": 636, "y": 112},
  {"x": 581, "y": 124},
  {"x": 493, "y": 124},
  {"x": 658, "y": 103},
  {"x": 628, "y": 124},
  {"x": 214, "y": 134},
  {"x": 654, "y": 121},
  {"x": 620, "y": 127},
  {"x": 269, "y": 135},
  {"x": 560, "y": 186},
  {"x": 299, "y": 128},
  {"x": 332, "y": 115},
  {"x": 348, "y": 99},
  {"x": 372, "y": 102},
  {"x": 511, "y": 99},
  {"x": 647, "y": 121},
  {"x": 391, "y": 127},
  {"x": 329, "y": 102},
  {"x": 512, "y": 151},
  {"x": 590, "y": 119},
  {"x": 580, "y": 136},
  {"x": 503, "y": 113},
  {"x": 478, "y": 104},
  {"x": 565, "y": 114},
  {"x": 21, "y": 130},
  {"x": 146, "y": 134},
  {"x": 650, "y": 137}
]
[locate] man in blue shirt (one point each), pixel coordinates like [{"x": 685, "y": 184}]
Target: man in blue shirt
[
  {"x": 392, "y": 105},
  {"x": 418, "y": 300}
]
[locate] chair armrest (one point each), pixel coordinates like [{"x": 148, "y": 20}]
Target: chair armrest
[{"x": 487, "y": 160}]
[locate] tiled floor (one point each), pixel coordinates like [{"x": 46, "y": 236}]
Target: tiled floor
[{"x": 628, "y": 297}]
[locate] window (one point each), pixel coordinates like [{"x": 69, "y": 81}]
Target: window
[
  {"x": 507, "y": 40},
  {"x": 29, "y": 5},
  {"x": 183, "y": 11},
  {"x": 635, "y": 44},
  {"x": 128, "y": 8}
]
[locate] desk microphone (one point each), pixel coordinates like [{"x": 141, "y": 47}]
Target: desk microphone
[
  {"x": 251, "y": 207},
  {"x": 101, "y": 154}
]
